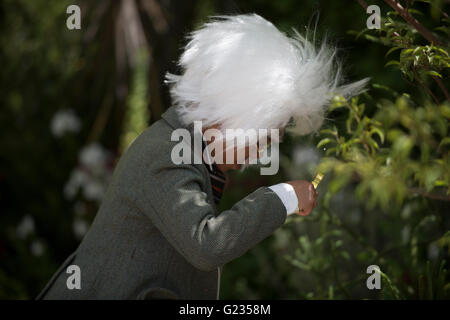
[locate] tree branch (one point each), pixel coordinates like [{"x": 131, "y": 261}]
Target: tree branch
[
  {"x": 443, "y": 88},
  {"x": 425, "y": 87},
  {"x": 423, "y": 193},
  {"x": 421, "y": 29},
  {"x": 413, "y": 21},
  {"x": 363, "y": 4}
]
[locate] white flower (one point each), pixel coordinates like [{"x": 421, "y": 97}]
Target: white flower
[
  {"x": 77, "y": 179},
  {"x": 37, "y": 248},
  {"x": 95, "y": 158},
  {"x": 25, "y": 227},
  {"x": 93, "y": 190},
  {"x": 80, "y": 227},
  {"x": 64, "y": 121},
  {"x": 92, "y": 174}
]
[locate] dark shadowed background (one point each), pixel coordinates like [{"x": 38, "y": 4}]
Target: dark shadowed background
[{"x": 72, "y": 100}]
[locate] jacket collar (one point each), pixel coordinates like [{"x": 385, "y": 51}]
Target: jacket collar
[{"x": 173, "y": 118}]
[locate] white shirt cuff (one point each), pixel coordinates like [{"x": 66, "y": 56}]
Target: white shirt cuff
[{"x": 287, "y": 195}]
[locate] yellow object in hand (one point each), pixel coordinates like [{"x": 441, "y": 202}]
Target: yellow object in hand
[{"x": 317, "y": 180}]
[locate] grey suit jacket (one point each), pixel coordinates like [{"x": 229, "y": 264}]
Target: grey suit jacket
[{"x": 157, "y": 233}]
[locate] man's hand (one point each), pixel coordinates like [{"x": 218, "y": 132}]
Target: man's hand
[{"x": 306, "y": 195}]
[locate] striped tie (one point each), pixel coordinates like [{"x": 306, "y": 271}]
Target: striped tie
[{"x": 217, "y": 177}]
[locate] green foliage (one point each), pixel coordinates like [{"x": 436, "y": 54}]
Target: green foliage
[
  {"x": 41, "y": 63},
  {"x": 415, "y": 154},
  {"x": 137, "y": 114},
  {"x": 415, "y": 60},
  {"x": 390, "y": 150}
]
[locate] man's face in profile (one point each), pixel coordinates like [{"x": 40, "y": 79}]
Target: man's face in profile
[{"x": 230, "y": 157}]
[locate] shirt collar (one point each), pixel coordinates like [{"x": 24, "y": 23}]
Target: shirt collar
[{"x": 207, "y": 153}]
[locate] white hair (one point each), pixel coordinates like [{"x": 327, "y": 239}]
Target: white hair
[{"x": 242, "y": 72}]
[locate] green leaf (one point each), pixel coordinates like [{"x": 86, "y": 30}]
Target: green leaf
[
  {"x": 431, "y": 175},
  {"x": 392, "y": 62},
  {"x": 377, "y": 131},
  {"x": 434, "y": 74},
  {"x": 445, "y": 111},
  {"x": 361, "y": 33},
  {"x": 324, "y": 142},
  {"x": 386, "y": 88},
  {"x": 345, "y": 255},
  {"x": 443, "y": 29},
  {"x": 330, "y": 151},
  {"x": 338, "y": 102},
  {"x": 440, "y": 183},
  {"x": 333, "y": 132},
  {"x": 414, "y": 11},
  {"x": 441, "y": 50},
  {"x": 407, "y": 51},
  {"x": 392, "y": 50},
  {"x": 444, "y": 141}
]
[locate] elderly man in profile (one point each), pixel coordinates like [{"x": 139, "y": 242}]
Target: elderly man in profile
[{"x": 158, "y": 233}]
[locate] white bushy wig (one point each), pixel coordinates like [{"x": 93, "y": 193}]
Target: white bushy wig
[{"x": 242, "y": 72}]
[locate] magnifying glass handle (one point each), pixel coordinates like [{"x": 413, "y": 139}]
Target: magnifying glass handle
[{"x": 317, "y": 180}]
